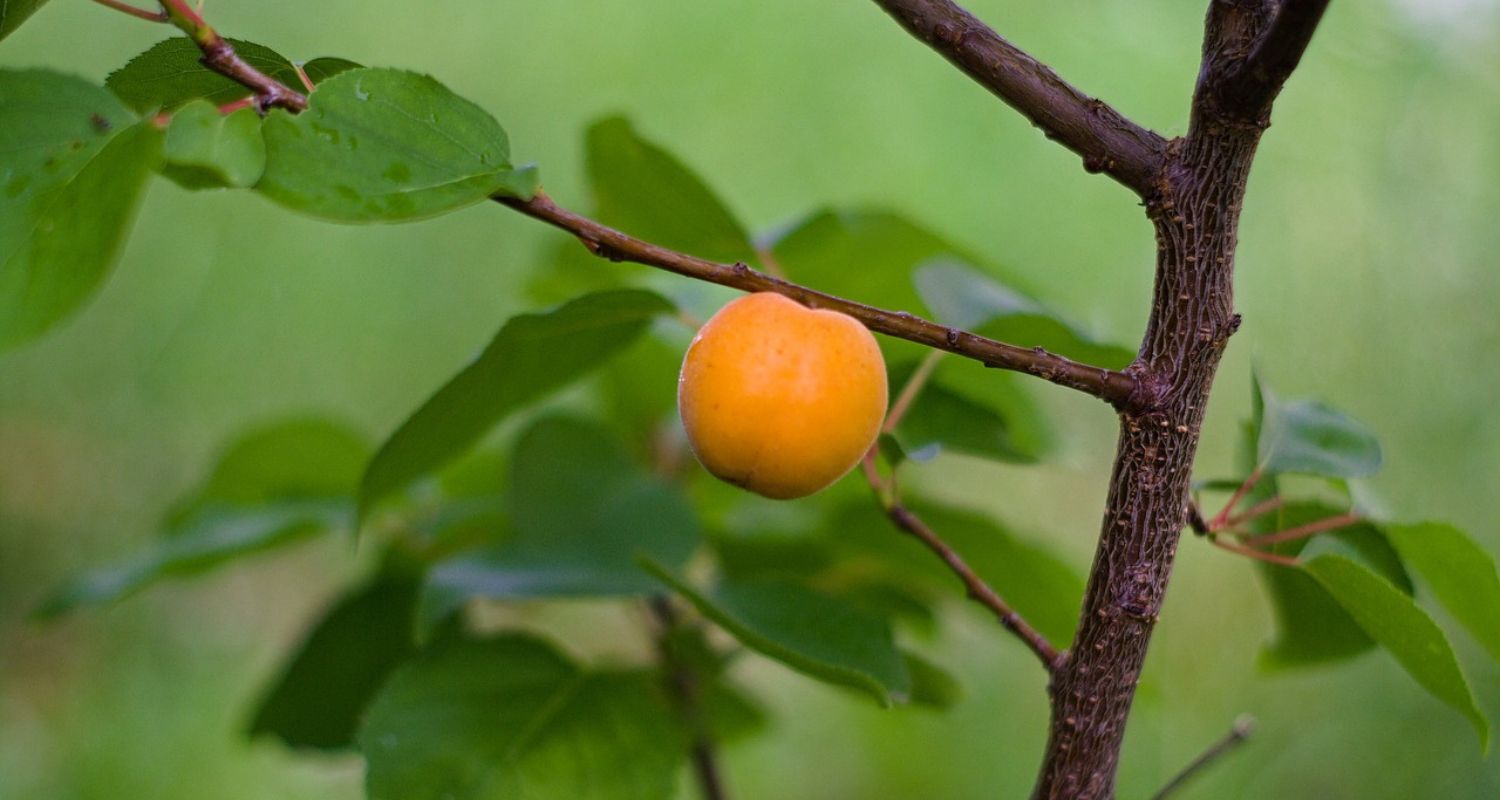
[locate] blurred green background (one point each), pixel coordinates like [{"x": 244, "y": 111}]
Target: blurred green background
[{"x": 1368, "y": 276}]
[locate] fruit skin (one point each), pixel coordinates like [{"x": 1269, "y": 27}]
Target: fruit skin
[{"x": 779, "y": 398}]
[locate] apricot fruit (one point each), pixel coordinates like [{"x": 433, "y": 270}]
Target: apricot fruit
[{"x": 779, "y": 398}]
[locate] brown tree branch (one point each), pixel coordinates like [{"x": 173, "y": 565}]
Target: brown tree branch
[
  {"x": 978, "y": 590},
  {"x": 1243, "y": 728},
  {"x": 1249, "y": 89},
  {"x": 219, "y": 56},
  {"x": 1106, "y": 139},
  {"x": 1119, "y": 389}
]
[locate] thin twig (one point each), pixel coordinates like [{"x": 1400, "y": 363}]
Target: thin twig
[
  {"x": 911, "y": 390},
  {"x": 978, "y": 590},
  {"x": 1258, "y": 555},
  {"x": 1251, "y": 87},
  {"x": 139, "y": 13},
  {"x": 1258, "y": 510},
  {"x": 1217, "y": 523},
  {"x": 1108, "y": 141},
  {"x": 687, "y": 693},
  {"x": 1119, "y": 389},
  {"x": 219, "y": 56},
  {"x": 1238, "y": 734},
  {"x": 1302, "y": 531}
]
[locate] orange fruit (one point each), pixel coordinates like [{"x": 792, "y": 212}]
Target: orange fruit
[{"x": 779, "y": 398}]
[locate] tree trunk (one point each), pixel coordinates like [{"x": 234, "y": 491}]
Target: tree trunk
[{"x": 1196, "y": 215}]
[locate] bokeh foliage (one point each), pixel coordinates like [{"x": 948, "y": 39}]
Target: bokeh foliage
[{"x": 173, "y": 414}]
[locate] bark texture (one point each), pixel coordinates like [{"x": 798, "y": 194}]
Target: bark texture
[{"x": 1196, "y": 213}]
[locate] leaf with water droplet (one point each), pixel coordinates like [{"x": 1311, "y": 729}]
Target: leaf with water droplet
[{"x": 369, "y": 149}]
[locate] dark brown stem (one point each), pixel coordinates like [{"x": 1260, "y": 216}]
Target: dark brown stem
[
  {"x": 1196, "y": 216},
  {"x": 1238, "y": 735},
  {"x": 219, "y": 56},
  {"x": 1119, "y": 389},
  {"x": 1107, "y": 141},
  {"x": 1252, "y": 86},
  {"x": 978, "y": 590},
  {"x": 686, "y": 689}
]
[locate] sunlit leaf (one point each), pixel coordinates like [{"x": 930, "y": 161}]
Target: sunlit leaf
[
  {"x": 206, "y": 149},
  {"x": 811, "y": 632},
  {"x": 531, "y": 356},
  {"x": 381, "y": 145},
  {"x": 1403, "y": 629},
  {"x": 1460, "y": 573},
  {"x": 75, "y": 164},
  {"x": 510, "y": 717}
]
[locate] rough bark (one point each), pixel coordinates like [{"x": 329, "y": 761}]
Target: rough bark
[{"x": 1196, "y": 214}]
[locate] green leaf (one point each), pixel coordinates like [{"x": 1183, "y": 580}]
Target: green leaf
[
  {"x": 531, "y": 356},
  {"x": 931, "y": 685},
  {"x": 15, "y": 12},
  {"x": 75, "y": 166},
  {"x": 323, "y": 690},
  {"x": 1460, "y": 573},
  {"x": 1303, "y": 436},
  {"x": 732, "y": 715},
  {"x": 206, "y": 149},
  {"x": 209, "y": 539},
  {"x": 1312, "y": 627},
  {"x": 865, "y": 254},
  {"x": 170, "y": 74},
  {"x": 963, "y": 297},
  {"x": 303, "y": 458},
  {"x": 582, "y": 513},
  {"x": 811, "y": 632},
  {"x": 1393, "y": 620},
  {"x": 647, "y": 192},
  {"x": 1002, "y": 424},
  {"x": 381, "y": 145},
  {"x": 509, "y": 717},
  {"x": 1036, "y": 582},
  {"x": 275, "y": 485},
  {"x": 323, "y": 68}
]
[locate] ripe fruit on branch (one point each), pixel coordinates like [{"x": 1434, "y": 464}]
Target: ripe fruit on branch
[{"x": 781, "y": 399}]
